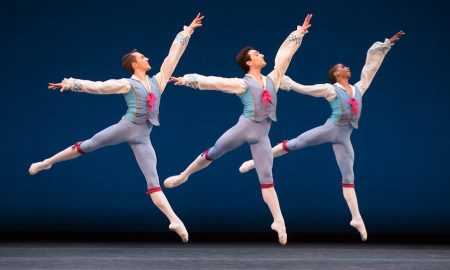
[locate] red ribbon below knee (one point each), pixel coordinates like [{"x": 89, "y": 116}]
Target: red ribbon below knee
[
  {"x": 205, "y": 155},
  {"x": 285, "y": 148},
  {"x": 78, "y": 148},
  {"x": 152, "y": 190},
  {"x": 266, "y": 186}
]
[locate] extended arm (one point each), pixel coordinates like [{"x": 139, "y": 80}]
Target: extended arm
[
  {"x": 121, "y": 86},
  {"x": 375, "y": 56},
  {"x": 317, "y": 90},
  {"x": 197, "y": 81},
  {"x": 287, "y": 51},
  {"x": 176, "y": 51}
]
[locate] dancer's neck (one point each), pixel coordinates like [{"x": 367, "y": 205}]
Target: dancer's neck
[{"x": 141, "y": 75}]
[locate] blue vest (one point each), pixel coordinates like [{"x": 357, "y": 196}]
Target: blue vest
[
  {"x": 137, "y": 102},
  {"x": 342, "y": 110},
  {"x": 254, "y": 107}
]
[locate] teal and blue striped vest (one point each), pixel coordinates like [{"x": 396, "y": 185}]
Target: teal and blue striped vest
[
  {"x": 252, "y": 99},
  {"x": 138, "y": 106},
  {"x": 342, "y": 110}
]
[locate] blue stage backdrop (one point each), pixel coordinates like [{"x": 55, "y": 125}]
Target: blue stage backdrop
[{"x": 401, "y": 147}]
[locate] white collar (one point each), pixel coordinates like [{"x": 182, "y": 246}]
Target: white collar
[
  {"x": 134, "y": 77},
  {"x": 340, "y": 85},
  {"x": 263, "y": 79}
]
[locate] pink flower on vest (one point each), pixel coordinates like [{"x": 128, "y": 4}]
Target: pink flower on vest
[
  {"x": 151, "y": 98},
  {"x": 354, "y": 105},
  {"x": 266, "y": 97}
]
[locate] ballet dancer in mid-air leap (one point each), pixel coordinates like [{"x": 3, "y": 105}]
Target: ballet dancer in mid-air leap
[
  {"x": 143, "y": 96},
  {"x": 258, "y": 94}
]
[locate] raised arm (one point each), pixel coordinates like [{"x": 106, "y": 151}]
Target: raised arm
[
  {"x": 317, "y": 90},
  {"x": 375, "y": 56},
  {"x": 176, "y": 51},
  {"x": 287, "y": 51},
  {"x": 121, "y": 86},
  {"x": 197, "y": 81}
]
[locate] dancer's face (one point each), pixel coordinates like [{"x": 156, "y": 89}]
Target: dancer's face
[
  {"x": 342, "y": 72},
  {"x": 256, "y": 59},
  {"x": 141, "y": 62}
]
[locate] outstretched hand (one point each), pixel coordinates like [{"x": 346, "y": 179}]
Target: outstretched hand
[
  {"x": 306, "y": 25},
  {"x": 396, "y": 37},
  {"x": 197, "y": 22},
  {"x": 55, "y": 86},
  {"x": 176, "y": 80}
]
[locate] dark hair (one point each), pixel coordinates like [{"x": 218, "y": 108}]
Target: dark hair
[
  {"x": 242, "y": 57},
  {"x": 127, "y": 60},
  {"x": 331, "y": 77}
]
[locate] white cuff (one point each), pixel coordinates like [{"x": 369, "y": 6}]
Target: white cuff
[{"x": 188, "y": 30}]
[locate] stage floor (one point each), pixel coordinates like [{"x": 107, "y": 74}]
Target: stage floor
[{"x": 220, "y": 255}]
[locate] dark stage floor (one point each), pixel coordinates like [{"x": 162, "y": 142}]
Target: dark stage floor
[{"x": 221, "y": 255}]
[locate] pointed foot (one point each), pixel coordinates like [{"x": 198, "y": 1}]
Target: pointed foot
[
  {"x": 180, "y": 230},
  {"x": 38, "y": 166},
  {"x": 174, "y": 181},
  {"x": 246, "y": 166},
  {"x": 359, "y": 225},
  {"x": 280, "y": 228}
]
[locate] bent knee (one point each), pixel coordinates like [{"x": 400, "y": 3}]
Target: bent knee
[
  {"x": 214, "y": 152},
  {"x": 298, "y": 143},
  {"x": 265, "y": 178},
  {"x": 349, "y": 179}
]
